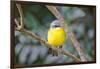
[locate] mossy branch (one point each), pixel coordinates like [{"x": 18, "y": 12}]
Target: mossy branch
[
  {"x": 42, "y": 41},
  {"x": 75, "y": 42}
]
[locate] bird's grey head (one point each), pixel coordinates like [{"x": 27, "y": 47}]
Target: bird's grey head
[{"x": 55, "y": 24}]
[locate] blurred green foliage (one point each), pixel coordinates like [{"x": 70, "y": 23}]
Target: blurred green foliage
[{"x": 37, "y": 19}]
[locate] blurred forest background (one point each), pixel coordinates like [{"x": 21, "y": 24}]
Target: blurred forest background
[{"x": 37, "y": 19}]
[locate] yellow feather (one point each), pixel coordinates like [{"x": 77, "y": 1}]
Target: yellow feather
[{"x": 56, "y": 36}]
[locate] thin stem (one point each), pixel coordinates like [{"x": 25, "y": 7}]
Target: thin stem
[
  {"x": 21, "y": 14},
  {"x": 16, "y": 22},
  {"x": 77, "y": 46}
]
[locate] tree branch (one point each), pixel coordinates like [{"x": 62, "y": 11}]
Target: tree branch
[
  {"x": 76, "y": 44},
  {"x": 42, "y": 41},
  {"x": 21, "y": 15}
]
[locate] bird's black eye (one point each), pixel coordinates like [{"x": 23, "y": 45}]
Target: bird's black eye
[{"x": 56, "y": 26}]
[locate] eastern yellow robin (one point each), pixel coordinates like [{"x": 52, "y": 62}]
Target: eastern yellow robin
[{"x": 56, "y": 35}]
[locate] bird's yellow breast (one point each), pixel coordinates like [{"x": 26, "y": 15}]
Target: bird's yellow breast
[{"x": 56, "y": 36}]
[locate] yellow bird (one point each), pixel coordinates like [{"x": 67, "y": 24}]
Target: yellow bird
[{"x": 56, "y": 35}]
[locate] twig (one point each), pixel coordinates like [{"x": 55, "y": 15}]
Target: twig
[
  {"x": 21, "y": 29},
  {"x": 21, "y": 14},
  {"x": 76, "y": 44},
  {"x": 18, "y": 27}
]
